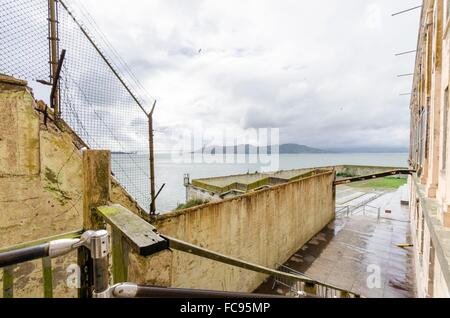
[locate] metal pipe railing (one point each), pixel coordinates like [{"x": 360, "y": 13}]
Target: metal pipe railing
[
  {"x": 51, "y": 249},
  {"x": 317, "y": 289},
  {"x": 129, "y": 290},
  {"x": 96, "y": 241}
]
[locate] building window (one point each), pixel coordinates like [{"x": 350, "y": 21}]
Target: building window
[
  {"x": 434, "y": 38},
  {"x": 422, "y": 235},
  {"x": 422, "y": 134},
  {"x": 445, "y": 130}
]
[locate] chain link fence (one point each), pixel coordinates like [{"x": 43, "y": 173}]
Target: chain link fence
[
  {"x": 24, "y": 47},
  {"x": 100, "y": 99}
]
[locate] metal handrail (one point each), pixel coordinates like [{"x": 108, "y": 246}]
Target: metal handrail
[
  {"x": 38, "y": 249},
  {"x": 98, "y": 244},
  {"x": 321, "y": 289},
  {"x": 352, "y": 208},
  {"x": 96, "y": 241},
  {"x": 131, "y": 290},
  {"x": 69, "y": 235}
]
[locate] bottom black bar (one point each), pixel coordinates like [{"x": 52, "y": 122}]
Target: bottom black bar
[{"x": 227, "y": 307}]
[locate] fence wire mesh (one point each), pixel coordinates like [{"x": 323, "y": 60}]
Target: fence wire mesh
[
  {"x": 107, "y": 110},
  {"x": 24, "y": 47}
]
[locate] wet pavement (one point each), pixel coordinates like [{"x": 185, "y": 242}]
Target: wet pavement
[{"x": 359, "y": 253}]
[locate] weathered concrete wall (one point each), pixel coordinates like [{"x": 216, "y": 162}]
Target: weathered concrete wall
[
  {"x": 19, "y": 131},
  {"x": 265, "y": 227},
  {"x": 41, "y": 185},
  {"x": 37, "y": 198}
]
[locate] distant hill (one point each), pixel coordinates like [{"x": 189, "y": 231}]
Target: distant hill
[
  {"x": 250, "y": 149},
  {"x": 298, "y": 149}
]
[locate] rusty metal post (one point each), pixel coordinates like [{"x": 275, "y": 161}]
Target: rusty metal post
[
  {"x": 54, "y": 50},
  {"x": 152, "y": 162}
]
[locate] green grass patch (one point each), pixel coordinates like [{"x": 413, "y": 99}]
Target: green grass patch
[
  {"x": 190, "y": 204},
  {"x": 383, "y": 183}
]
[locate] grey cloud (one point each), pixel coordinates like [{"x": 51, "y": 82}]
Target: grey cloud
[{"x": 325, "y": 79}]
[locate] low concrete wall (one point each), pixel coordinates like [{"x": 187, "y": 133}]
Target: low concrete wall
[
  {"x": 363, "y": 170},
  {"x": 218, "y": 188},
  {"x": 265, "y": 227}
]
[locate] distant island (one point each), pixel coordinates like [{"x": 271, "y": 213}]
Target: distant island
[
  {"x": 124, "y": 153},
  {"x": 250, "y": 149}
]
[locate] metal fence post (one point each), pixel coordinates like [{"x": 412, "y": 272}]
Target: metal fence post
[
  {"x": 152, "y": 161},
  {"x": 54, "y": 54},
  {"x": 379, "y": 213},
  {"x": 99, "y": 246}
]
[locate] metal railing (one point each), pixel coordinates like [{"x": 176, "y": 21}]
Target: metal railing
[
  {"x": 97, "y": 242},
  {"x": 301, "y": 288},
  {"x": 350, "y": 210},
  {"x": 362, "y": 207},
  {"x": 47, "y": 249}
]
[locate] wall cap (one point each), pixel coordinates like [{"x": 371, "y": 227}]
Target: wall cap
[{"x": 5, "y": 79}]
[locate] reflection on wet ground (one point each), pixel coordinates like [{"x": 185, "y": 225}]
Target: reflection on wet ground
[{"x": 351, "y": 251}]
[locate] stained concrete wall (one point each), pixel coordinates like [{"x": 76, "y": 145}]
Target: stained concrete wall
[{"x": 266, "y": 228}]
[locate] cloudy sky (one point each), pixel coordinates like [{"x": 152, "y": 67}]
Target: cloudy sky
[{"x": 324, "y": 71}]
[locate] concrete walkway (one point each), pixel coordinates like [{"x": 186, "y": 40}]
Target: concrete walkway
[{"x": 355, "y": 249}]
